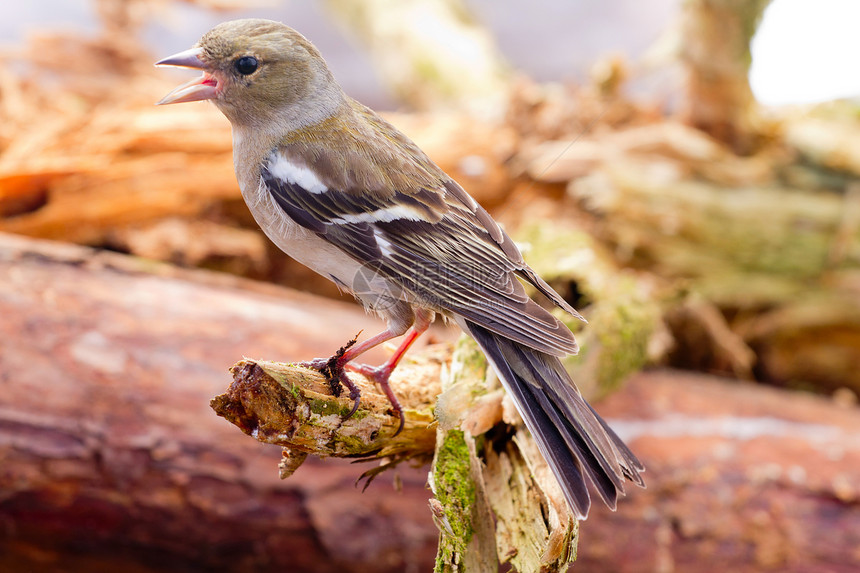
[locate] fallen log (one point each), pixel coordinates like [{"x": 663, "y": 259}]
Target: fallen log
[
  {"x": 741, "y": 477},
  {"x": 110, "y": 458}
]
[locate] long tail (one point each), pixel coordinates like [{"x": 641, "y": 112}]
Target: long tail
[{"x": 575, "y": 441}]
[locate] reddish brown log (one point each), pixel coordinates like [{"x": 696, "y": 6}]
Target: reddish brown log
[
  {"x": 110, "y": 457},
  {"x": 740, "y": 477}
]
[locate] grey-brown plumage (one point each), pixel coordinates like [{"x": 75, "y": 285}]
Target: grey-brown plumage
[{"x": 344, "y": 192}]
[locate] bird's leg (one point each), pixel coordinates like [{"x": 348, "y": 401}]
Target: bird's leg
[
  {"x": 380, "y": 374},
  {"x": 333, "y": 368}
]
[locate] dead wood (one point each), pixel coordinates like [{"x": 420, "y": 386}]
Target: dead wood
[{"x": 110, "y": 458}]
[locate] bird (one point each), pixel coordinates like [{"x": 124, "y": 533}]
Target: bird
[{"x": 342, "y": 191}]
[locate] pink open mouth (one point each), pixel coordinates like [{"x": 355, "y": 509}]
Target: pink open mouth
[{"x": 201, "y": 88}]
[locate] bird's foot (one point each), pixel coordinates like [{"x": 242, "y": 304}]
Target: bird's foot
[
  {"x": 333, "y": 370},
  {"x": 380, "y": 375}
]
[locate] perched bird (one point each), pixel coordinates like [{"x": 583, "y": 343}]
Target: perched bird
[{"x": 342, "y": 191}]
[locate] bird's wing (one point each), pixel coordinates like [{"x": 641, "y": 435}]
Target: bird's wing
[{"x": 435, "y": 242}]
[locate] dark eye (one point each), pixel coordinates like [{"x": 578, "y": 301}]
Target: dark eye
[{"x": 246, "y": 65}]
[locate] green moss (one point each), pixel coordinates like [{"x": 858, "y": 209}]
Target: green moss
[
  {"x": 323, "y": 407},
  {"x": 358, "y": 415},
  {"x": 329, "y": 406},
  {"x": 624, "y": 331},
  {"x": 352, "y": 444},
  {"x": 455, "y": 490}
]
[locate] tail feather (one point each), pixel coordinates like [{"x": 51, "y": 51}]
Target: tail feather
[
  {"x": 574, "y": 440},
  {"x": 633, "y": 467}
]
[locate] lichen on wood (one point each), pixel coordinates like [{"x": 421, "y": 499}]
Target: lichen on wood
[
  {"x": 291, "y": 406},
  {"x": 510, "y": 497},
  {"x": 485, "y": 515}
]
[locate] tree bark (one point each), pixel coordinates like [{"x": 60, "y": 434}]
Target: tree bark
[
  {"x": 431, "y": 53},
  {"x": 716, "y": 37},
  {"x": 110, "y": 458},
  {"x": 495, "y": 499},
  {"x": 740, "y": 477}
]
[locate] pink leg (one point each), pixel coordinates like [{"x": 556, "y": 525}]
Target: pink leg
[
  {"x": 353, "y": 352},
  {"x": 333, "y": 367},
  {"x": 381, "y": 374},
  {"x": 357, "y": 350}
]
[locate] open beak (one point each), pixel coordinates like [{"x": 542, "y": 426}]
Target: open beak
[{"x": 201, "y": 88}]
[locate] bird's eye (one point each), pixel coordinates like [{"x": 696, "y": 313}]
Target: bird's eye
[{"x": 246, "y": 65}]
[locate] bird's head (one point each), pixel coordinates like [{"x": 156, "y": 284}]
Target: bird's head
[{"x": 259, "y": 73}]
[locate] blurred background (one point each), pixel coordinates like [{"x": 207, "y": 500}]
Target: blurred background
[{"x": 685, "y": 172}]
